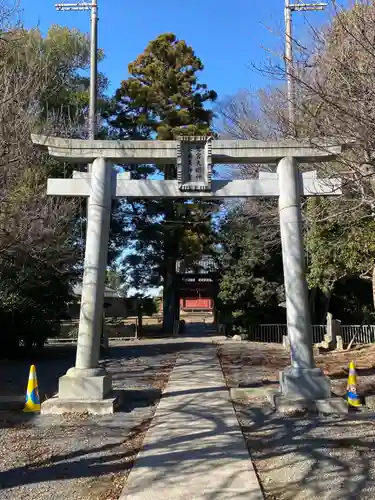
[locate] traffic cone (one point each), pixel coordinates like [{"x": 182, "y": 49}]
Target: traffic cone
[
  {"x": 32, "y": 393},
  {"x": 351, "y": 389}
]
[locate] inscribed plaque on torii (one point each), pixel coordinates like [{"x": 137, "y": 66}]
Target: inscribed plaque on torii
[{"x": 194, "y": 163}]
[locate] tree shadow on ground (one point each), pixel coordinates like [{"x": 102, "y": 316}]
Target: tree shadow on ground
[
  {"x": 301, "y": 457},
  {"x": 189, "y": 408},
  {"x": 166, "y": 457},
  {"x": 310, "y": 457},
  {"x": 305, "y": 457}
]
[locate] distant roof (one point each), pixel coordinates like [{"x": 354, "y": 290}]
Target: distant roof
[
  {"x": 108, "y": 292},
  {"x": 203, "y": 266}
]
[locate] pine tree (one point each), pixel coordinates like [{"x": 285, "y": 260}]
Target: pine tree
[{"x": 163, "y": 99}]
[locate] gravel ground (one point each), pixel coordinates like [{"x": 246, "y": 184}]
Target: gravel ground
[
  {"x": 80, "y": 457},
  {"x": 304, "y": 457}
]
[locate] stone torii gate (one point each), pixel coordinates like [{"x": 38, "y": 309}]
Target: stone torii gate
[{"x": 88, "y": 387}]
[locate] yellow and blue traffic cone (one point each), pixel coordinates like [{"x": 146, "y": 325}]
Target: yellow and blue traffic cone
[
  {"x": 32, "y": 394},
  {"x": 351, "y": 390}
]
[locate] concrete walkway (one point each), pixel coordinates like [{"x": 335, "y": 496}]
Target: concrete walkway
[{"x": 194, "y": 449}]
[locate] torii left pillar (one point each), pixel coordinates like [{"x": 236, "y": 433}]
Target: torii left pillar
[{"x": 87, "y": 387}]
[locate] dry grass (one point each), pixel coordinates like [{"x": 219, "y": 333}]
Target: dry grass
[
  {"x": 76, "y": 456},
  {"x": 301, "y": 456},
  {"x": 117, "y": 480},
  {"x": 335, "y": 364},
  {"x": 262, "y": 362}
]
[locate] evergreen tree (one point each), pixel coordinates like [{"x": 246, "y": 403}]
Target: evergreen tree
[
  {"x": 251, "y": 285},
  {"x": 163, "y": 99},
  {"x": 340, "y": 248}
]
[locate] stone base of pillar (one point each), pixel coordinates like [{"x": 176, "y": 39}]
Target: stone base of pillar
[
  {"x": 306, "y": 390},
  {"x": 297, "y": 383},
  {"x": 91, "y": 388},
  {"x": 83, "y": 390},
  {"x": 58, "y": 406},
  {"x": 290, "y": 406}
]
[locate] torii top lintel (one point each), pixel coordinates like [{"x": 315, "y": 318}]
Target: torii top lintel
[{"x": 165, "y": 152}]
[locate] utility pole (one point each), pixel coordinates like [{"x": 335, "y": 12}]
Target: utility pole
[
  {"x": 289, "y": 60},
  {"x": 93, "y": 7}
]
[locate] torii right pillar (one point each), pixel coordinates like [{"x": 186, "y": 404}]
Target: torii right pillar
[{"x": 302, "y": 380}]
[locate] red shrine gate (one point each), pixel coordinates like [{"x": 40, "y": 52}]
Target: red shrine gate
[
  {"x": 196, "y": 285},
  {"x": 196, "y": 304},
  {"x": 193, "y": 304}
]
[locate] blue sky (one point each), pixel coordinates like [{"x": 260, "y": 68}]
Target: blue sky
[{"x": 227, "y": 35}]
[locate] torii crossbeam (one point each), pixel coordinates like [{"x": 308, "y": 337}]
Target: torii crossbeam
[{"x": 194, "y": 157}]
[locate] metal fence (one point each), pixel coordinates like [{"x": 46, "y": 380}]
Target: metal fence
[
  {"x": 364, "y": 334},
  {"x": 275, "y": 332},
  {"x": 267, "y": 333}
]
